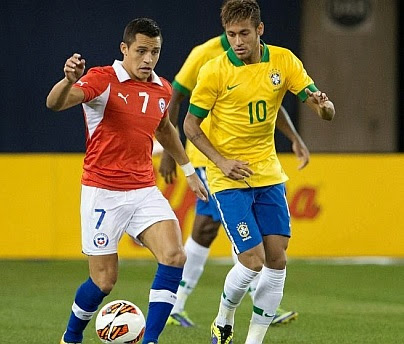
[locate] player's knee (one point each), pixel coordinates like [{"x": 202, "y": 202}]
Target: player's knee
[
  {"x": 252, "y": 260},
  {"x": 206, "y": 235},
  {"x": 105, "y": 283},
  {"x": 256, "y": 264},
  {"x": 174, "y": 258},
  {"x": 107, "y": 287},
  {"x": 276, "y": 262}
]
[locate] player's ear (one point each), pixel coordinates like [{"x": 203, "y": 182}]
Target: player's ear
[
  {"x": 124, "y": 48},
  {"x": 260, "y": 29}
]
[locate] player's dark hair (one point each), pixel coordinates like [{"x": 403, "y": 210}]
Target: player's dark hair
[
  {"x": 234, "y": 11},
  {"x": 145, "y": 26}
]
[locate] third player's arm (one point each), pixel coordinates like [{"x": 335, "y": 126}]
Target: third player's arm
[
  {"x": 285, "y": 125},
  {"x": 174, "y": 107}
]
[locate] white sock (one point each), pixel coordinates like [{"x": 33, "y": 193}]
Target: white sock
[
  {"x": 268, "y": 295},
  {"x": 252, "y": 288},
  {"x": 235, "y": 287},
  {"x": 234, "y": 255},
  {"x": 267, "y": 299},
  {"x": 256, "y": 333},
  {"x": 193, "y": 269},
  {"x": 253, "y": 285}
]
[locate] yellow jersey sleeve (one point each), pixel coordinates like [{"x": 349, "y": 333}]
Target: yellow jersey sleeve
[
  {"x": 298, "y": 78},
  {"x": 186, "y": 78},
  {"x": 206, "y": 91}
]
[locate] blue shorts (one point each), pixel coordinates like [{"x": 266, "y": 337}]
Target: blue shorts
[
  {"x": 206, "y": 208},
  {"x": 249, "y": 214}
]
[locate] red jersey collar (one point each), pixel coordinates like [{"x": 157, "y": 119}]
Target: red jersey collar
[{"x": 123, "y": 75}]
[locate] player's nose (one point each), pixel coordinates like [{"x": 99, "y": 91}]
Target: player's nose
[{"x": 148, "y": 57}]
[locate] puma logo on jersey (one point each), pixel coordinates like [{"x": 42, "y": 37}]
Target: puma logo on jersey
[
  {"x": 120, "y": 95},
  {"x": 81, "y": 83}
]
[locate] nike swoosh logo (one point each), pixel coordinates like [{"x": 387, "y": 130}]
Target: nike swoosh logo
[{"x": 231, "y": 87}]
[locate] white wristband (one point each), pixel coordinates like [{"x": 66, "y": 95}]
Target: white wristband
[{"x": 188, "y": 169}]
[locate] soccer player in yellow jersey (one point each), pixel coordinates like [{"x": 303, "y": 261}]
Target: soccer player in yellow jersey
[
  {"x": 207, "y": 218},
  {"x": 241, "y": 90}
]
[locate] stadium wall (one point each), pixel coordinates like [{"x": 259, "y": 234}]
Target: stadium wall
[
  {"x": 349, "y": 47},
  {"x": 342, "y": 205}
]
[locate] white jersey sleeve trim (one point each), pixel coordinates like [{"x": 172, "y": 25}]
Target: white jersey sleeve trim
[{"x": 94, "y": 110}]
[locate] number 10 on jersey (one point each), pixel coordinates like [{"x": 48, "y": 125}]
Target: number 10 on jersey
[{"x": 257, "y": 111}]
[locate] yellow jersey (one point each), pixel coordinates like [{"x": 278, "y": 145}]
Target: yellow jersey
[
  {"x": 242, "y": 102},
  {"x": 185, "y": 82}
]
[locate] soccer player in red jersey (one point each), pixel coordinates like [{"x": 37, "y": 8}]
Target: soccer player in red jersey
[{"x": 125, "y": 106}]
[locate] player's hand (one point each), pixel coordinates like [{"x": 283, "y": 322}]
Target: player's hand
[
  {"x": 235, "y": 169},
  {"x": 196, "y": 185},
  {"x": 168, "y": 168},
  {"x": 302, "y": 153},
  {"x": 325, "y": 106},
  {"x": 74, "y": 68}
]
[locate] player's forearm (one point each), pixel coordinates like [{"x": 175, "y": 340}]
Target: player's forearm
[
  {"x": 175, "y": 105},
  {"x": 175, "y": 149},
  {"x": 169, "y": 139},
  {"x": 58, "y": 95},
  {"x": 286, "y": 126},
  {"x": 174, "y": 111},
  {"x": 195, "y": 134}
]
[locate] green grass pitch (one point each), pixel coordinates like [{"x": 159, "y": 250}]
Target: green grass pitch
[{"x": 337, "y": 303}]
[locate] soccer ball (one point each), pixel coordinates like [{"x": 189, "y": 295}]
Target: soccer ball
[{"x": 120, "y": 322}]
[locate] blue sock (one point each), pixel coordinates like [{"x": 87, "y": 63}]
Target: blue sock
[
  {"x": 162, "y": 299},
  {"x": 88, "y": 298}
]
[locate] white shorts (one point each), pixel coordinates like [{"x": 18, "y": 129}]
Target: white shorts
[{"x": 106, "y": 215}]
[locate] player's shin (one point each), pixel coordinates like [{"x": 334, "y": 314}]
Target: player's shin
[
  {"x": 253, "y": 285},
  {"x": 193, "y": 269},
  {"x": 161, "y": 300},
  {"x": 267, "y": 299},
  {"x": 235, "y": 287},
  {"x": 88, "y": 297}
]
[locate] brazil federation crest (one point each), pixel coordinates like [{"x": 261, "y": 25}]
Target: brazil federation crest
[
  {"x": 101, "y": 240},
  {"x": 162, "y": 105},
  {"x": 243, "y": 230},
  {"x": 275, "y": 77}
]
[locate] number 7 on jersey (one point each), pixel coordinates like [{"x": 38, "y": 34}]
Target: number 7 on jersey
[
  {"x": 145, "y": 100},
  {"x": 102, "y": 211}
]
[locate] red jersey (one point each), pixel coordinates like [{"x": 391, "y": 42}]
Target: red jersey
[{"x": 121, "y": 116}]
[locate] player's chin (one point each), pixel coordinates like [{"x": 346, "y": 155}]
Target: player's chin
[
  {"x": 242, "y": 55},
  {"x": 144, "y": 73}
]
